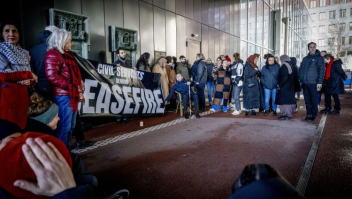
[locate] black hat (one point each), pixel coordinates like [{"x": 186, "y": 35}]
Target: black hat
[{"x": 7, "y": 128}]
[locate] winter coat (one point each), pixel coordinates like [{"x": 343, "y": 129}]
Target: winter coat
[
  {"x": 251, "y": 96},
  {"x": 37, "y": 62},
  {"x": 121, "y": 62},
  {"x": 57, "y": 72},
  {"x": 312, "y": 69},
  {"x": 295, "y": 74},
  {"x": 199, "y": 71},
  {"x": 164, "y": 79},
  {"x": 210, "y": 68},
  {"x": 171, "y": 75},
  {"x": 269, "y": 76},
  {"x": 142, "y": 67},
  {"x": 286, "y": 94},
  {"x": 182, "y": 68},
  {"x": 180, "y": 87},
  {"x": 14, "y": 98},
  {"x": 237, "y": 70},
  {"x": 335, "y": 85},
  {"x": 222, "y": 87}
]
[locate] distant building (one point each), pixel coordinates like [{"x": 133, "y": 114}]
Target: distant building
[{"x": 329, "y": 16}]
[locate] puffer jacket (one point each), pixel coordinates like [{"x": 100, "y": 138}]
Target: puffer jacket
[
  {"x": 269, "y": 76},
  {"x": 57, "y": 72},
  {"x": 312, "y": 69},
  {"x": 334, "y": 85},
  {"x": 199, "y": 71}
]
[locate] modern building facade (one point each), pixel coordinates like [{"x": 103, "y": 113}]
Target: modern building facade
[
  {"x": 332, "y": 27},
  {"x": 178, "y": 27},
  {"x": 275, "y": 26}
]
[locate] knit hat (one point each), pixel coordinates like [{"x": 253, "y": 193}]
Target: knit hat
[
  {"x": 49, "y": 115},
  {"x": 227, "y": 58},
  {"x": 14, "y": 165},
  {"x": 7, "y": 128}
]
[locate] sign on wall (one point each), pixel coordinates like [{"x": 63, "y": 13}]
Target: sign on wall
[
  {"x": 125, "y": 39},
  {"x": 77, "y": 25},
  {"x": 118, "y": 91}
]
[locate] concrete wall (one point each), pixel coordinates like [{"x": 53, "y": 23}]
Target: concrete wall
[{"x": 162, "y": 25}]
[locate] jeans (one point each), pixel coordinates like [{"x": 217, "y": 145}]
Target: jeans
[
  {"x": 319, "y": 98},
  {"x": 236, "y": 96},
  {"x": 200, "y": 91},
  {"x": 185, "y": 101},
  {"x": 270, "y": 93},
  {"x": 328, "y": 101},
  {"x": 310, "y": 94},
  {"x": 67, "y": 119},
  {"x": 210, "y": 88}
]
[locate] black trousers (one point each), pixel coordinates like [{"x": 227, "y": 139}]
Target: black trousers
[
  {"x": 78, "y": 130},
  {"x": 328, "y": 101},
  {"x": 310, "y": 97}
]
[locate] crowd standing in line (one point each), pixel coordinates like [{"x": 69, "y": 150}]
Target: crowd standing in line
[{"x": 49, "y": 81}]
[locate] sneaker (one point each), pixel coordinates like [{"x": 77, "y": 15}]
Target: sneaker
[
  {"x": 266, "y": 112},
  {"x": 236, "y": 112},
  {"x": 312, "y": 119},
  {"x": 254, "y": 113},
  {"x": 284, "y": 118},
  {"x": 120, "y": 194},
  {"x": 84, "y": 143},
  {"x": 187, "y": 115},
  {"x": 197, "y": 115},
  {"x": 306, "y": 118},
  {"x": 274, "y": 113},
  {"x": 335, "y": 112},
  {"x": 212, "y": 110},
  {"x": 323, "y": 110}
]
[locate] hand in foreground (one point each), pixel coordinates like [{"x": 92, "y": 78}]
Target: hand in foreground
[
  {"x": 188, "y": 83},
  {"x": 53, "y": 173},
  {"x": 35, "y": 77},
  {"x": 26, "y": 82},
  {"x": 319, "y": 86}
]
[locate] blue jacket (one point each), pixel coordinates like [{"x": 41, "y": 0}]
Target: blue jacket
[
  {"x": 270, "y": 76},
  {"x": 312, "y": 69},
  {"x": 37, "y": 54},
  {"x": 180, "y": 87}
]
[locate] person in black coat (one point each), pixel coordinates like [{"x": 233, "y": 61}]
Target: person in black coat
[
  {"x": 37, "y": 54},
  {"x": 251, "y": 88},
  {"x": 334, "y": 76},
  {"x": 286, "y": 94}
]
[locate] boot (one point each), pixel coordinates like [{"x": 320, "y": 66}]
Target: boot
[
  {"x": 186, "y": 115},
  {"x": 197, "y": 114},
  {"x": 247, "y": 113},
  {"x": 254, "y": 113}
]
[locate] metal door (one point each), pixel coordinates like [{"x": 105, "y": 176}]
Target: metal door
[{"x": 193, "y": 48}]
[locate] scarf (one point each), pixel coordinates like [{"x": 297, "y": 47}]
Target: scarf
[
  {"x": 74, "y": 89},
  {"x": 285, "y": 61},
  {"x": 16, "y": 55},
  {"x": 328, "y": 69},
  {"x": 250, "y": 60}
]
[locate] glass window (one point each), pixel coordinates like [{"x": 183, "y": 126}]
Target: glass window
[
  {"x": 272, "y": 1},
  {"x": 332, "y": 14},
  {"x": 342, "y": 13},
  {"x": 350, "y": 26},
  {"x": 260, "y": 22},
  {"x": 243, "y": 5},
  {"x": 322, "y": 16},
  {"x": 343, "y": 40},
  {"x": 332, "y": 2},
  {"x": 322, "y": 3},
  {"x": 320, "y": 42},
  {"x": 343, "y": 27},
  {"x": 321, "y": 29},
  {"x": 313, "y": 4},
  {"x": 313, "y": 16},
  {"x": 342, "y": 1},
  {"x": 266, "y": 26},
  {"x": 331, "y": 28},
  {"x": 351, "y": 12},
  {"x": 244, "y": 53},
  {"x": 350, "y": 40},
  {"x": 244, "y": 21},
  {"x": 342, "y": 54},
  {"x": 331, "y": 41}
]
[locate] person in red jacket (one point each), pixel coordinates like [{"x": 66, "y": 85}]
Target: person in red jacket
[{"x": 64, "y": 76}]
